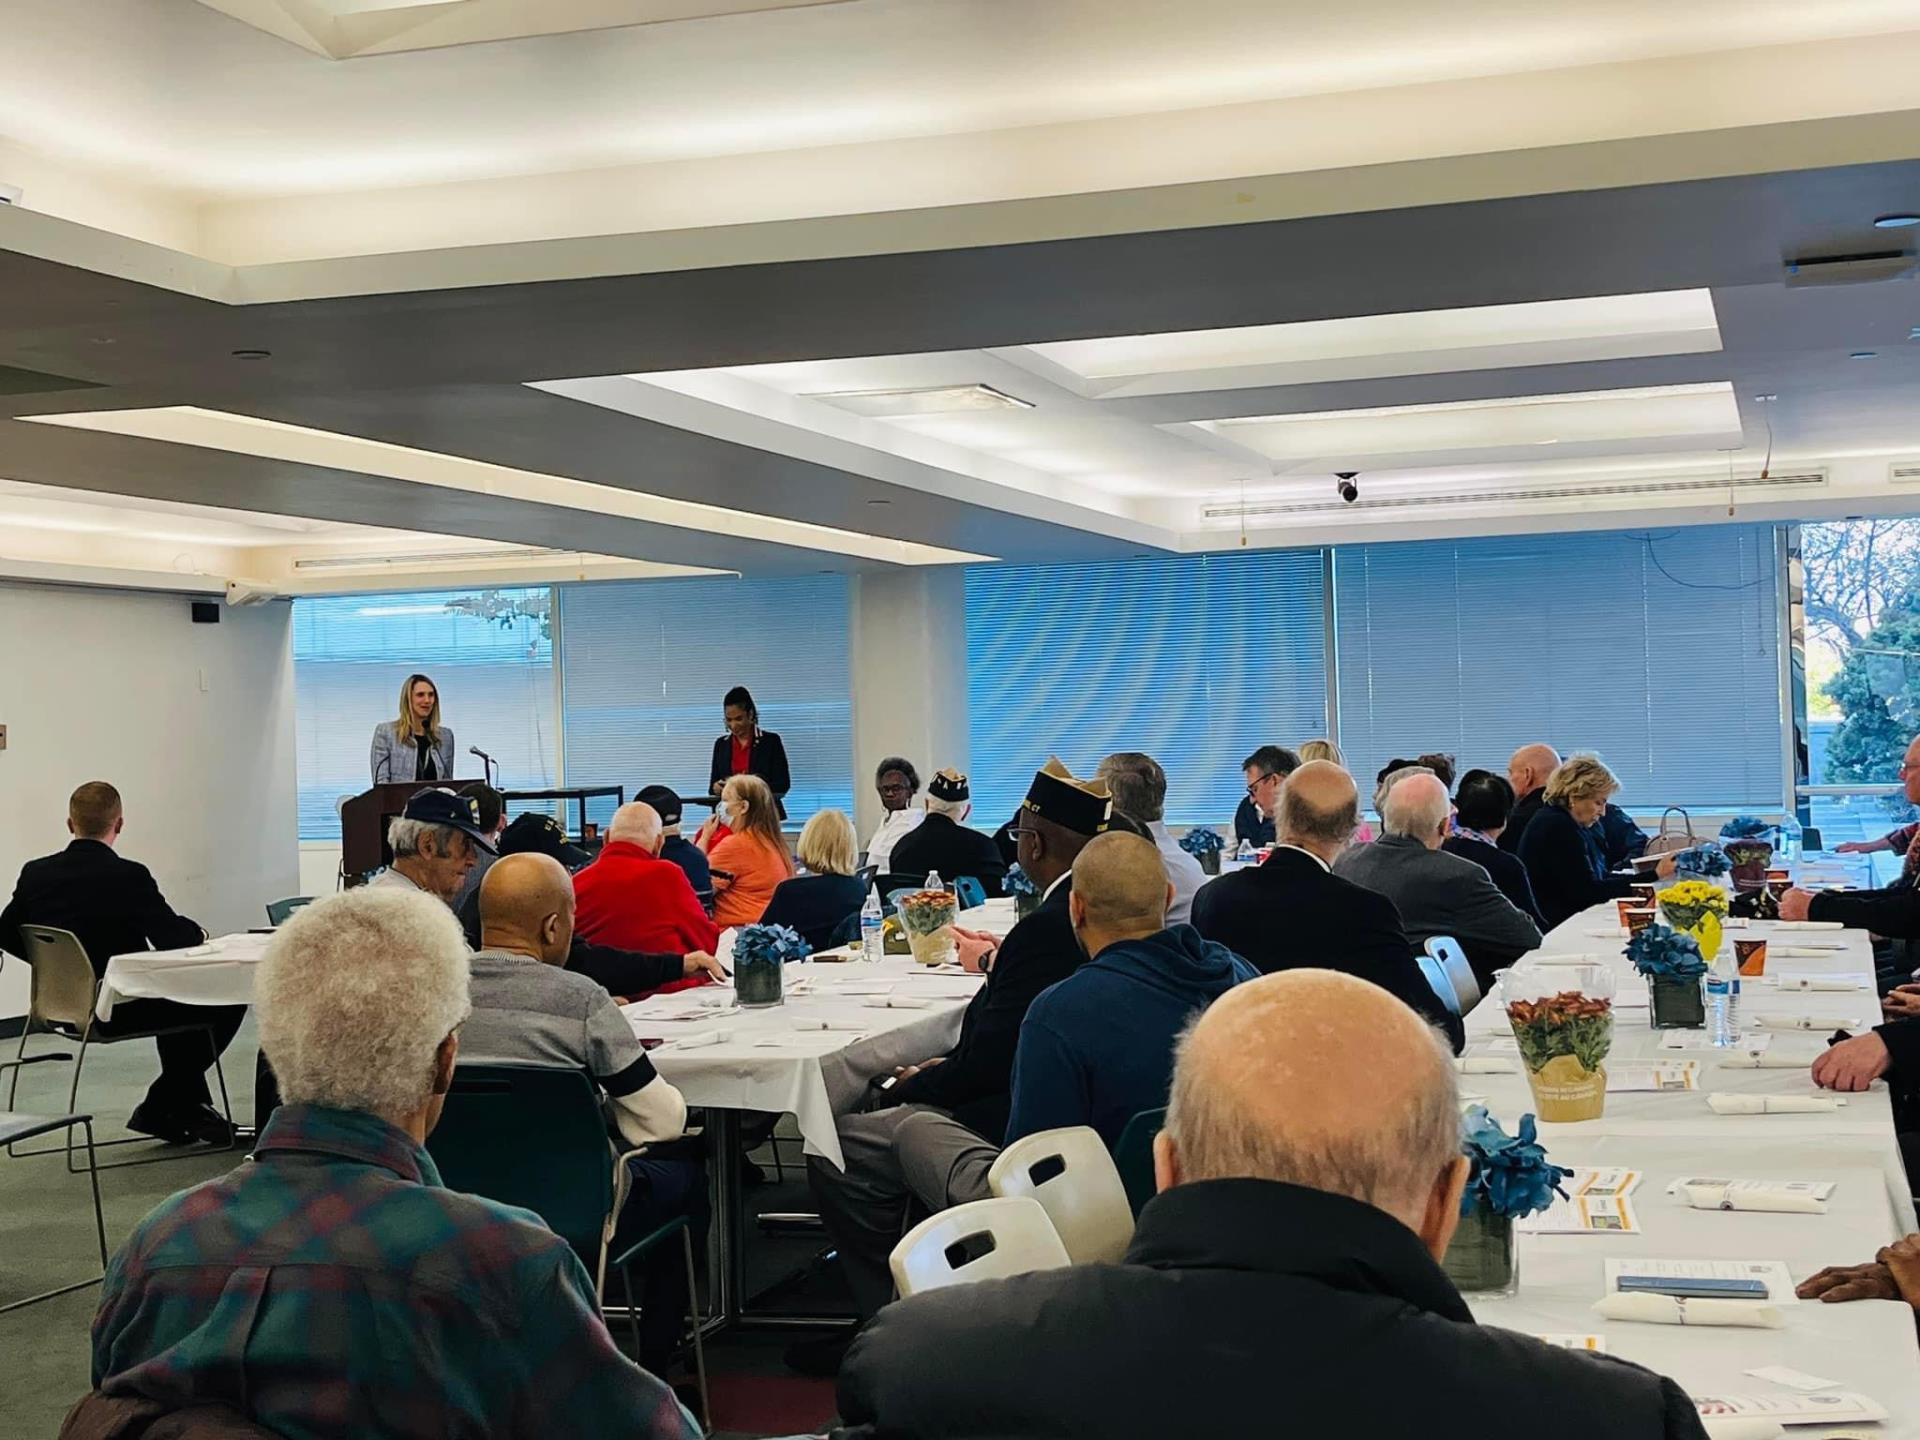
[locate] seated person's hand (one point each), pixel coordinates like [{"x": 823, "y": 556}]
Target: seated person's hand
[
  {"x": 1901, "y": 1002},
  {"x": 1838, "y": 1283},
  {"x": 1664, "y": 869},
  {"x": 974, "y": 948},
  {"x": 907, "y": 1072},
  {"x": 1902, "y": 1259},
  {"x": 1795, "y": 904},
  {"x": 1856, "y": 847},
  {"x": 701, "y": 963},
  {"x": 1852, "y": 1064}
]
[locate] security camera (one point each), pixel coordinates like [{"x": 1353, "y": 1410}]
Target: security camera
[{"x": 1349, "y": 491}]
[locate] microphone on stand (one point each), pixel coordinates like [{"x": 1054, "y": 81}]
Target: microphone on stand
[{"x": 491, "y": 765}]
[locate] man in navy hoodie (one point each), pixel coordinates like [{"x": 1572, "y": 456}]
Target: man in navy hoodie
[{"x": 1095, "y": 1048}]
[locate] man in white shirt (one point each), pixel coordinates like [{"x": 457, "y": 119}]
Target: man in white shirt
[
  {"x": 897, "y": 782},
  {"x": 1139, "y": 789},
  {"x": 528, "y": 1008}
]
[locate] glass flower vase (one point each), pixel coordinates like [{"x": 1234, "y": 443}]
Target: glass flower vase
[
  {"x": 1675, "y": 1003},
  {"x": 1025, "y": 904},
  {"x": 1483, "y": 1258},
  {"x": 758, "y": 981}
]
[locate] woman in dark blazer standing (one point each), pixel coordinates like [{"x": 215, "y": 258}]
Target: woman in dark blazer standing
[{"x": 746, "y": 749}]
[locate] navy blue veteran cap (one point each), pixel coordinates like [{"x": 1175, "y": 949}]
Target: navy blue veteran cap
[
  {"x": 443, "y": 807},
  {"x": 538, "y": 834},
  {"x": 949, "y": 785},
  {"x": 1082, "y": 806}
]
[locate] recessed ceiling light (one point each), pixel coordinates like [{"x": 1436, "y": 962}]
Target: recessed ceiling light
[
  {"x": 253, "y": 354},
  {"x": 878, "y": 501},
  {"x": 935, "y": 400},
  {"x": 1861, "y": 354},
  {"x": 1895, "y": 222}
]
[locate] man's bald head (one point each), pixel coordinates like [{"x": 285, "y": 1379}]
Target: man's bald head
[
  {"x": 1319, "y": 809},
  {"x": 1530, "y": 766},
  {"x": 526, "y": 905},
  {"x": 1120, "y": 890},
  {"x": 1418, "y": 806},
  {"x": 1322, "y": 1080},
  {"x": 637, "y": 823}
]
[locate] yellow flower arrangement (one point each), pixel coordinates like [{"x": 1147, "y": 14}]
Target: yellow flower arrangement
[{"x": 1694, "y": 907}]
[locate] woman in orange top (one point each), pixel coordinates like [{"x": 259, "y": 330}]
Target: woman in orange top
[{"x": 752, "y": 860}]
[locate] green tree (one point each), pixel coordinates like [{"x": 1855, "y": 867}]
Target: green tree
[{"x": 1878, "y": 690}]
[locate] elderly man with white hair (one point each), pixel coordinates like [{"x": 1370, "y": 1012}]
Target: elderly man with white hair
[
  {"x": 436, "y": 842},
  {"x": 331, "y": 1285},
  {"x": 1285, "y": 1279},
  {"x": 1437, "y": 893},
  {"x": 944, "y": 841},
  {"x": 632, "y": 899}
]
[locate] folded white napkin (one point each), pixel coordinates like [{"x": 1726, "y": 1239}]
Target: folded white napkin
[
  {"x": 1672, "y": 1310},
  {"x": 695, "y": 1042},
  {"x": 900, "y": 1002},
  {"x": 1724, "y": 1103},
  {"x": 1485, "y": 1065},
  {"x": 1832, "y": 1020},
  {"x": 1763, "y": 1060},
  {"x": 1808, "y": 925},
  {"x": 1726, "y": 1197},
  {"x": 1816, "y": 982},
  {"x": 1740, "y": 1427}
]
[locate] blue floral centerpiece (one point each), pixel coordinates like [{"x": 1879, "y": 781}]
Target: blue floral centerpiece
[
  {"x": 1205, "y": 846},
  {"x": 1673, "y": 965},
  {"x": 1748, "y": 827},
  {"x": 1510, "y": 1178},
  {"x": 1706, "y": 861},
  {"x": 759, "y": 954},
  {"x": 1025, "y": 893}
]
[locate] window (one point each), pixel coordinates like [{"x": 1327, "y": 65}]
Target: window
[
  {"x": 645, "y": 663},
  {"x": 1193, "y": 659},
  {"x": 489, "y": 653},
  {"x": 1659, "y": 651}
]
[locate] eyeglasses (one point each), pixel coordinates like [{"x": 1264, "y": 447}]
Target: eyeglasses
[
  {"x": 1255, "y": 786},
  {"x": 895, "y": 790}
]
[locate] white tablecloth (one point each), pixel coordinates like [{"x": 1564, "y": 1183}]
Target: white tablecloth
[
  {"x": 219, "y": 972},
  {"x": 767, "y": 1061},
  {"x": 1868, "y": 1346}
]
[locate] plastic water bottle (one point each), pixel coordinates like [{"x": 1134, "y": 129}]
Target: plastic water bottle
[
  {"x": 934, "y": 882},
  {"x": 1723, "y": 979},
  {"x": 872, "y": 922},
  {"x": 1790, "y": 838}
]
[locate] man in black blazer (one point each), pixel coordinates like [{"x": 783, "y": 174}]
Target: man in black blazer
[
  {"x": 1293, "y": 911},
  {"x": 1528, "y": 771},
  {"x": 864, "y": 1205},
  {"x": 113, "y": 905},
  {"x": 944, "y": 842}
]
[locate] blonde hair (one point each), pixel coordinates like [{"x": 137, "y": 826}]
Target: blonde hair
[
  {"x": 827, "y": 844},
  {"x": 1580, "y": 777},
  {"x": 355, "y": 995},
  {"x": 1322, "y": 750},
  {"x": 408, "y": 730},
  {"x": 762, "y": 818}
]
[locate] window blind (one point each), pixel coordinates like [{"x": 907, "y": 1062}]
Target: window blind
[
  {"x": 488, "y": 652},
  {"x": 645, "y": 664},
  {"x": 1193, "y": 659},
  {"x": 1658, "y": 650}
]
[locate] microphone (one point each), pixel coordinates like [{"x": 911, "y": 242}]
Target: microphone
[{"x": 487, "y": 761}]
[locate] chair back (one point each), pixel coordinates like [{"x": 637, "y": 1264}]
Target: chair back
[
  {"x": 64, "y": 986},
  {"x": 532, "y": 1136},
  {"x": 1453, "y": 960},
  {"x": 1133, "y": 1157},
  {"x": 1435, "y": 975},
  {"x": 278, "y": 911},
  {"x": 981, "y": 1240},
  {"x": 867, "y": 874},
  {"x": 969, "y": 891},
  {"x": 1073, "y": 1177}
]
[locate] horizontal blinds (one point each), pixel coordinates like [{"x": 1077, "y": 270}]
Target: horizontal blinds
[
  {"x": 1193, "y": 659},
  {"x": 488, "y": 653},
  {"x": 646, "y": 662},
  {"x": 1659, "y": 651}
]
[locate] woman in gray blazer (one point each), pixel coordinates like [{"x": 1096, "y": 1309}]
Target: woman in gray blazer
[{"x": 416, "y": 746}]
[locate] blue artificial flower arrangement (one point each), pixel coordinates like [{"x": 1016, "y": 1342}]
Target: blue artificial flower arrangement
[
  {"x": 769, "y": 944},
  {"x": 1706, "y": 860},
  {"x": 1662, "y": 953},
  {"x": 1018, "y": 882},
  {"x": 1201, "y": 841},
  {"x": 1511, "y": 1174},
  {"x": 1747, "y": 827}
]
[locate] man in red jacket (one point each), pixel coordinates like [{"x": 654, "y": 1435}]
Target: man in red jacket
[{"x": 632, "y": 899}]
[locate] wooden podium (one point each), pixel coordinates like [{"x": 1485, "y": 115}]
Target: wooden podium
[{"x": 363, "y": 825}]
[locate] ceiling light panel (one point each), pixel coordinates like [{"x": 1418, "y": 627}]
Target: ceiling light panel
[
  {"x": 1673, "y": 412},
  {"x": 938, "y": 400},
  {"x": 1545, "y": 332},
  {"x": 297, "y": 444}
]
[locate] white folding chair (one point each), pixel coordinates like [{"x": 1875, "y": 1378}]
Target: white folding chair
[
  {"x": 1435, "y": 975},
  {"x": 1453, "y": 959},
  {"x": 981, "y": 1240},
  {"x": 1072, "y": 1175}
]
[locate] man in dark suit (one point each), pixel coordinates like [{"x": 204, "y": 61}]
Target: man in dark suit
[
  {"x": 1293, "y": 911},
  {"x": 113, "y": 905},
  {"x": 1482, "y": 807},
  {"x": 1528, "y": 771},
  {"x": 864, "y": 1205},
  {"x": 1266, "y": 770},
  {"x": 944, "y": 842}
]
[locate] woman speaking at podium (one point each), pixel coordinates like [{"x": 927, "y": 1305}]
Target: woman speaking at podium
[{"x": 416, "y": 746}]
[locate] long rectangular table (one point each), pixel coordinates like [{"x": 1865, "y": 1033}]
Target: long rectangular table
[{"x": 1868, "y": 1345}]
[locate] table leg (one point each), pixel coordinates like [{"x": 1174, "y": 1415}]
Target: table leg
[{"x": 728, "y": 1251}]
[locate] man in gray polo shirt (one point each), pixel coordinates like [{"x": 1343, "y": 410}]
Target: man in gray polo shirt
[{"x": 528, "y": 1008}]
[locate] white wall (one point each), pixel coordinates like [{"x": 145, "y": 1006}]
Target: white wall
[
  {"x": 193, "y": 724},
  {"x": 908, "y": 651}
]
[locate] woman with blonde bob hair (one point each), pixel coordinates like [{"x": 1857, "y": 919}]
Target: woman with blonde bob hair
[
  {"x": 416, "y": 746},
  {"x": 824, "y": 904},
  {"x": 1328, "y": 750},
  {"x": 1564, "y": 863},
  {"x": 743, "y": 844}
]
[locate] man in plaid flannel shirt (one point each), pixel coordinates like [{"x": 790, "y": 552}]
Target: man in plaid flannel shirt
[{"x": 330, "y": 1286}]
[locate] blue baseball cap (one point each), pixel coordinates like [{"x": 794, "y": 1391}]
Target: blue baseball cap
[{"x": 443, "y": 807}]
